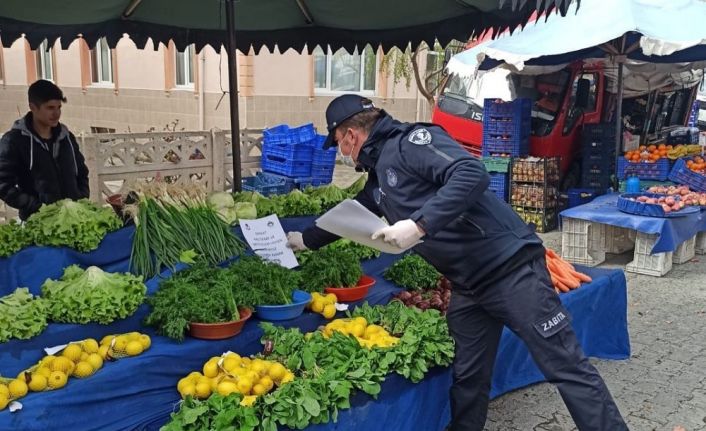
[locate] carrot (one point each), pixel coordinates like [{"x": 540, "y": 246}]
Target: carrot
[
  {"x": 562, "y": 274},
  {"x": 551, "y": 253},
  {"x": 582, "y": 277}
]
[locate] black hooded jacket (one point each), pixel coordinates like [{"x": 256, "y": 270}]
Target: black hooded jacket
[{"x": 35, "y": 171}]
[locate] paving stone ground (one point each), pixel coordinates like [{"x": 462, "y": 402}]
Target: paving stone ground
[{"x": 662, "y": 385}]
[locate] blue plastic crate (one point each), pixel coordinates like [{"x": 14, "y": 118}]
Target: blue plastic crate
[
  {"x": 658, "y": 171},
  {"x": 291, "y": 183},
  {"x": 281, "y": 165},
  {"x": 283, "y": 134},
  {"x": 296, "y": 152},
  {"x": 498, "y": 185},
  {"x": 496, "y": 145},
  {"x": 321, "y": 156},
  {"x": 265, "y": 185},
  {"x": 581, "y": 196},
  {"x": 681, "y": 174},
  {"x": 321, "y": 171},
  {"x": 507, "y": 126},
  {"x": 598, "y": 166},
  {"x": 518, "y": 108}
]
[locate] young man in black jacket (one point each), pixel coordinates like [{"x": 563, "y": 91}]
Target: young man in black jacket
[
  {"x": 429, "y": 188},
  {"x": 40, "y": 162}
]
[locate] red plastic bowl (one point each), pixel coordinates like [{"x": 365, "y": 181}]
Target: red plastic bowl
[
  {"x": 219, "y": 331},
  {"x": 354, "y": 293}
]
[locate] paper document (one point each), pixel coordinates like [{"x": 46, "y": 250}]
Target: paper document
[
  {"x": 267, "y": 239},
  {"x": 351, "y": 220}
]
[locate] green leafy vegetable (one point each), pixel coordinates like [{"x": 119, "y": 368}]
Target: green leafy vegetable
[
  {"x": 21, "y": 315},
  {"x": 330, "y": 267},
  {"x": 329, "y": 195},
  {"x": 357, "y": 186},
  {"x": 199, "y": 294},
  {"x": 215, "y": 413},
  {"x": 413, "y": 272},
  {"x": 13, "y": 238},
  {"x": 92, "y": 295},
  {"x": 80, "y": 225},
  {"x": 360, "y": 251},
  {"x": 257, "y": 282}
]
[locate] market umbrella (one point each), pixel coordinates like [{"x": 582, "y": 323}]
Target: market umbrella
[
  {"x": 621, "y": 31},
  {"x": 242, "y": 24}
]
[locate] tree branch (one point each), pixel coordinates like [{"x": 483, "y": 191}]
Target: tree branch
[{"x": 417, "y": 77}]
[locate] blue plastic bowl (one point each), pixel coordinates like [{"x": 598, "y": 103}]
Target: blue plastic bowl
[{"x": 300, "y": 299}]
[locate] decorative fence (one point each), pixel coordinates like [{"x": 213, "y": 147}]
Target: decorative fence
[{"x": 118, "y": 159}]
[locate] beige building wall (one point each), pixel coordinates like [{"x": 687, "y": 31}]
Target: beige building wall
[{"x": 274, "y": 88}]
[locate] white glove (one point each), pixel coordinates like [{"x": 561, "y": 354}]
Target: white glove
[
  {"x": 403, "y": 234},
  {"x": 295, "y": 241}
]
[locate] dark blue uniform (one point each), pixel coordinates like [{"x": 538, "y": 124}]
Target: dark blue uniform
[{"x": 494, "y": 261}]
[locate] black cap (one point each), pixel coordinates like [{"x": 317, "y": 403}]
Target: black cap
[{"x": 339, "y": 110}]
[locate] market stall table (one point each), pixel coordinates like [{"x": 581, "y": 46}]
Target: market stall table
[{"x": 140, "y": 392}]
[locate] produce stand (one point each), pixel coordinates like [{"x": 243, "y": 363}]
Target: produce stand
[{"x": 140, "y": 393}]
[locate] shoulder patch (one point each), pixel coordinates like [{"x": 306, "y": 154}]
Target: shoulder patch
[{"x": 420, "y": 136}]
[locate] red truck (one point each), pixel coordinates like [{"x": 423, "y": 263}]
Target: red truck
[{"x": 563, "y": 102}]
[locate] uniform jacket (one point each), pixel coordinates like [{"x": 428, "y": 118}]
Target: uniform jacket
[
  {"x": 34, "y": 171},
  {"x": 417, "y": 171}
]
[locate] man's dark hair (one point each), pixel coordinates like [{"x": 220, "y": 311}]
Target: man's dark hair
[
  {"x": 43, "y": 91},
  {"x": 363, "y": 120}
]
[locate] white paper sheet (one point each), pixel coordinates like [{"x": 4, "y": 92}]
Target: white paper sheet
[
  {"x": 267, "y": 239},
  {"x": 351, "y": 220}
]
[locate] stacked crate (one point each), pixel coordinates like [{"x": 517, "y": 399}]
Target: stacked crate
[
  {"x": 534, "y": 191},
  {"x": 598, "y": 156},
  {"x": 506, "y": 127},
  {"x": 498, "y": 168}
]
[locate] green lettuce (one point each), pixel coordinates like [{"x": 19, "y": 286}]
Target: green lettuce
[
  {"x": 80, "y": 225},
  {"x": 92, "y": 295},
  {"x": 21, "y": 315},
  {"x": 13, "y": 238}
]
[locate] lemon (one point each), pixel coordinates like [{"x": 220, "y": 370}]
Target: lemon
[
  {"x": 331, "y": 298},
  {"x": 317, "y": 305},
  {"x": 4, "y": 391},
  {"x": 194, "y": 376},
  {"x": 267, "y": 383},
  {"x": 259, "y": 368},
  {"x": 62, "y": 364},
  {"x": 357, "y": 330},
  {"x": 182, "y": 382},
  {"x": 38, "y": 383},
  {"x": 188, "y": 389},
  {"x": 103, "y": 351},
  {"x": 248, "y": 400},
  {"x": 329, "y": 311},
  {"x": 133, "y": 336},
  {"x": 120, "y": 343},
  {"x": 22, "y": 375},
  {"x": 244, "y": 385},
  {"x": 360, "y": 320},
  {"x": 258, "y": 389},
  {"x": 95, "y": 360},
  {"x": 277, "y": 371},
  {"x": 203, "y": 390},
  {"x": 18, "y": 388},
  {"x": 230, "y": 363},
  {"x": 105, "y": 341},
  {"x": 372, "y": 330},
  {"x": 134, "y": 348},
  {"x": 72, "y": 352},
  {"x": 4, "y": 401},
  {"x": 288, "y": 377},
  {"x": 83, "y": 369},
  {"x": 90, "y": 346},
  {"x": 47, "y": 360},
  {"x": 245, "y": 362},
  {"x": 43, "y": 371},
  {"x": 227, "y": 387},
  {"x": 146, "y": 341},
  {"x": 214, "y": 383},
  {"x": 210, "y": 368}
]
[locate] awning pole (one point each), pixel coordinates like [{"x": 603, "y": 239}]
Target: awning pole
[
  {"x": 233, "y": 93},
  {"x": 618, "y": 120}
]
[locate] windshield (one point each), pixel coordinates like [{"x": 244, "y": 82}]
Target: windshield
[{"x": 463, "y": 96}]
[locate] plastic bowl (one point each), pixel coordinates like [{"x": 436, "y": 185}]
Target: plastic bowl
[
  {"x": 300, "y": 299},
  {"x": 220, "y": 331},
  {"x": 354, "y": 293}
]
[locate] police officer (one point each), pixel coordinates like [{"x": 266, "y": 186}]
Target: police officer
[{"x": 430, "y": 189}]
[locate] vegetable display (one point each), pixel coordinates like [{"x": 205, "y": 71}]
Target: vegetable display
[
  {"x": 563, "y": 274},
  {"x": 330, "y": 267},
  {"x": 329, "y": 366},
  {"x": 13, "y": 238},
  {"x": 92, "y": 295},
  {"x": 257, "y": 282},
  {"x": 22, "y": 316},
  {"x": 199, "y": 294},
  {"x": 361, "y": 252},
  {"x": 413, "y": 272},
  {"x": 171, "y": 220},
  {"x": 80, "y": 225},
  {"x": 437, "y": 298},
  {"x": 230, "y": 211}
]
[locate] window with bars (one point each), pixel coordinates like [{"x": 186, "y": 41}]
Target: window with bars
[
  {"x": 184, "y": 67},
  {"x": 101, "y": 63},
  {"x": 45, "y": 66},
  {"x": 343, "y": 72}
]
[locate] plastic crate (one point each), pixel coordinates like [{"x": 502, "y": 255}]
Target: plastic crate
[
  {"x": 582, "y": 241},
  {"x": 265, "y": 185},
  {"x": 518, "y": 108},
  {"x": 644, "y": 262},
  {"x": 544, "y": 220},
  {"x": 512, "y": 126},
  {"x": 511, "y": 145},
  {"x": 283, "y": 134},
  {"x": 685, "y": 251},
  {"x": 498, "y": 185},
  {"x": 602, "y": 167},
  {"x": 291, "y": 183},
  {"x": 497, "y": 164},
  {"x": 686, "y": 136},
  {"x": 618, "y": 239},
  {"x": 293, "y": 152},
  {"x": 681, "y": 174},
  {"x": 658, "y": 171},
  {"x": 700, "y": 246},
  {"x": 281, "y": 165},
  {"x": 580, "y": 196},
  {"x": 599, "y": 182}
]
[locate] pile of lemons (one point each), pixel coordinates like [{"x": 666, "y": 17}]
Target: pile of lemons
[
  {"x": 368, "y": 336},
  {"x": 120, "y": 346},
  {"x": 323, "y": 304},
  {"x": 231, "y": 373},
  {"x": 80, "y": 359}
]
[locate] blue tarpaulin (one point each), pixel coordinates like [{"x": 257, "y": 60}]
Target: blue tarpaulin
[
  {"x": 140, "y": 392},
  {"x": 670, "y": 231}
]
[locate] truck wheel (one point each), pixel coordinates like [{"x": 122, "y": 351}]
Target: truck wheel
[{"x": 572, "y": 178}]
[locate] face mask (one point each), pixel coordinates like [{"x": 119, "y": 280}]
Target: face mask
[{"x": 346, "y": 159}]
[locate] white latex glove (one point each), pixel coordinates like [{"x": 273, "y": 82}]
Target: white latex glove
[
  {"x": 403, "y": 234},
  {"x": 295, "y": 241}
]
